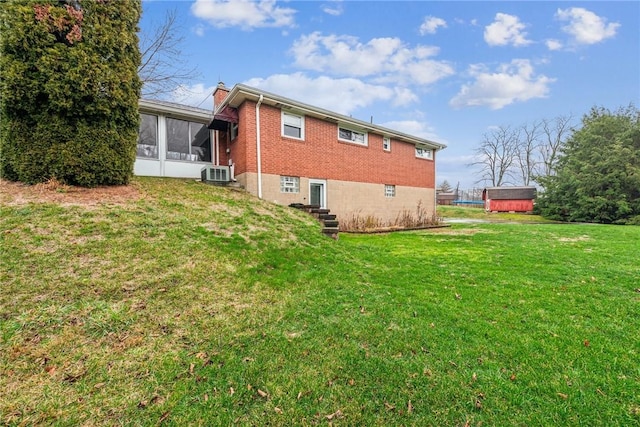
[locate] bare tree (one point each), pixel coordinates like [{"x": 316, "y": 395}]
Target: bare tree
[
  {"x": 496, "y": 155},
  {"x": 555, "y": 132},
  {"x": 163, "y": 66},
  {"x": 527, "y": 145}
]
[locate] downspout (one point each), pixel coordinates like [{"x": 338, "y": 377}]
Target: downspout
[
  {"x": 259, "y": 158},
  {"x": 435, "y": 184},
  {"x": 216, "y": 149}
]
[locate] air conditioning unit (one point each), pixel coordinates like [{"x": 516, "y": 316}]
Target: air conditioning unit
[{"x": 215, "y": 174}]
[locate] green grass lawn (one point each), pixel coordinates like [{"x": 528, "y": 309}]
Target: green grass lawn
[
  {"x": 194, "y": 305},
  {"x": 461, "y": 212}
]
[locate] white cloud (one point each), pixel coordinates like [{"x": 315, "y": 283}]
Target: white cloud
[
  {"x": 246, "y": 14},
  {"x": 414, "y": 127},
  {"x": 343, "y": 96},
  {"x": 431, "y": 24},
  {"x": 506, "y": 30},
  {"x": 585, "y": 26},
  {"x": 199, "y": 30},
  {"x": 512, "y": 82},
  {"x": 457, "y": 159},
  {"x": 334, "y": 8},
  {"x": 553, "y": 44},
  {"x": 388, "y": 59},
  {"x": 197, "y": 95}
]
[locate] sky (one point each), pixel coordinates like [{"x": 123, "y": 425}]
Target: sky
[{"x": 447, "y": 71}]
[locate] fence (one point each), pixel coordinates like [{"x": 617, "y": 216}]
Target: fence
[{"x": 466, "y": 198}]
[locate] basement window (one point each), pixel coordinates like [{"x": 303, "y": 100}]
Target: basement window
[
  {"x": 289, "y": 184},
  {"x": 353, "y": 136},
  {"x": 389, "y": 191}
]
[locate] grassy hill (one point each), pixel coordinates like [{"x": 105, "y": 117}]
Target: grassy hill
[{"x": 171, "y": 301}]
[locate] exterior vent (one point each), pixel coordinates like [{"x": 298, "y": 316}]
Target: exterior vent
[{"x": 215, "y": 174}]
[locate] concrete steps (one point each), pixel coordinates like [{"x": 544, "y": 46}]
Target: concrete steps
[{"x": 330, "y": 225}]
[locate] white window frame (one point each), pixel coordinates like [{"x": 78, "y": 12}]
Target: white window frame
[
  {"x": 365, "y": 136},
  {"x": 386, "y": 143},
  {"x": 323, "y": 193},
  {"x": 289, "y": 184},
  {"x": 423, "y": 152},
  {"x": 284, "y": 122},
  {"x": 148, "y": 151},
  {"x": 389, "y": 190}
]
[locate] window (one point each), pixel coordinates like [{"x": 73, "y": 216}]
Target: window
[
  {"x": 148, "y": 137},
  {"x": 353, "y": 136},
  {"x": 389, "y": 191},
  {"x": 233, "y": 131},
  {"x": 188, "y": 141},
  {"x": 292, "y": 125},
  {"x": 289, "y": 184},
  {"x": 424, "y": 153},
  {"x": 386, "y": 144}
]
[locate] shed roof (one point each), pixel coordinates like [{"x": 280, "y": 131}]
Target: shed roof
[{"x": 510, "y": 193}]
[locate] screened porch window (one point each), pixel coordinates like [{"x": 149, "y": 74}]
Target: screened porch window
[
  {"x": 188, "y": 141},
  {"x": 148, "y": 137}
]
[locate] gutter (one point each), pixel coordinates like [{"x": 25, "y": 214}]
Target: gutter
[
  {"x": 258, "y": 154},
  {"x": 241, "y": 92}
]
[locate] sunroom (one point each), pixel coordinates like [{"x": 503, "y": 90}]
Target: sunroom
[{"x": 173, "y": 141}]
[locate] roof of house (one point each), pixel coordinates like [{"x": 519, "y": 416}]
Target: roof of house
[
  {"x": 171, "y": 108},
  {"x": 241, "y": 93}
]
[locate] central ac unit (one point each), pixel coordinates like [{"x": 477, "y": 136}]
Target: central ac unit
[{"x": 215, "y": 174}]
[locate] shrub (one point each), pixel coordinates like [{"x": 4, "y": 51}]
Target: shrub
[
  {"x": 405, "y": 219},
  {"x": 69, "y": 92}
]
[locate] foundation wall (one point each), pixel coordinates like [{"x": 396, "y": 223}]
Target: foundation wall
[{"x": 347, "y": 199}]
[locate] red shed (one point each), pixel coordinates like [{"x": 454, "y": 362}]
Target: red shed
[{"x": 509, "y": 199}]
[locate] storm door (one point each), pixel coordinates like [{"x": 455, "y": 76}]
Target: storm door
[{"x": 318, "y": 192}]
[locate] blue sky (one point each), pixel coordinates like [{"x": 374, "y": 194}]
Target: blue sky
[{"x": 449, "y": 71}]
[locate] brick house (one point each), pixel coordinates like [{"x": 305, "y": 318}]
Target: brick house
[{"x": 287, "y": 152}]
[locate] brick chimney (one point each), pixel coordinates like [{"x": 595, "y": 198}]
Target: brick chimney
[{"x": 219, "y": 94}]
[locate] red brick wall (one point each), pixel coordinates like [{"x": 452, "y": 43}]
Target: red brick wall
[
  {"x": 241, "y": 147},
  {"x": 219, "y": 94},
  {"x": 322, "y": 155}
]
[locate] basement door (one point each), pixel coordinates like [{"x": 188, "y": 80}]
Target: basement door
[{"x": 318, "y": 193}]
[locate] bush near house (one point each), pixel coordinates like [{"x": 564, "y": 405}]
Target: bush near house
[{"x": 69, "y": 91}]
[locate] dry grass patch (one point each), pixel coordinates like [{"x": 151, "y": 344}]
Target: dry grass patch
[
  {"x": 574, "y": 239},
  {"x": 16, "y": 194}
]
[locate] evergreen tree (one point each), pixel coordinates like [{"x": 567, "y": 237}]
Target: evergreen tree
[
  {"x": 598, "y": 173},
  {"x": 69, "y": 90},
  {"x": 445, "y": 187}
]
